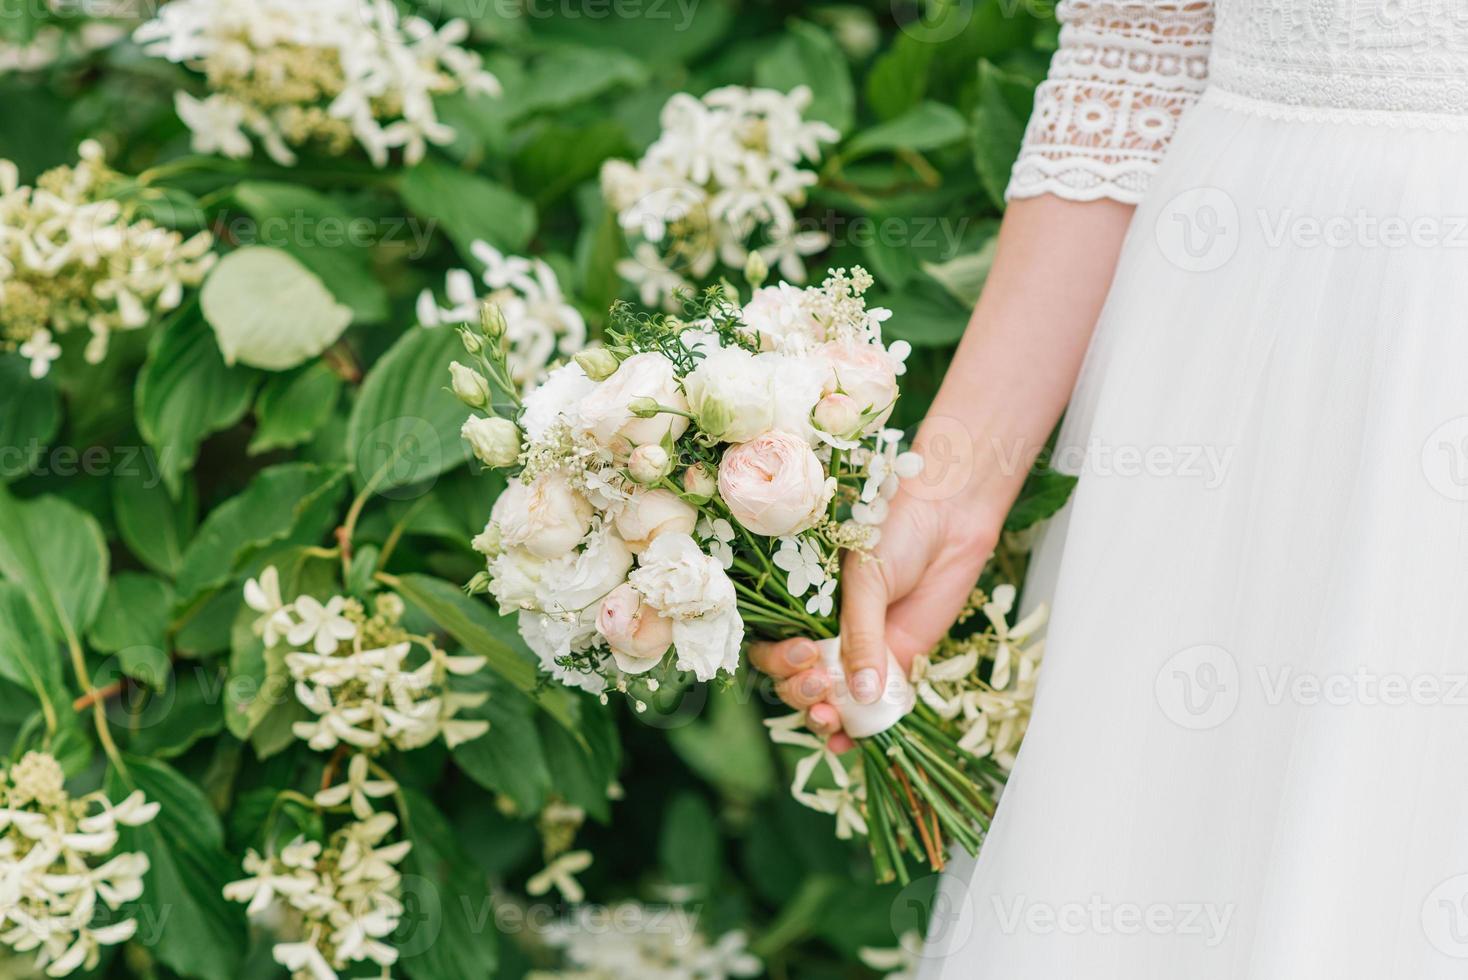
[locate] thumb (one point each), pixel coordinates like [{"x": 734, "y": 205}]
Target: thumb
[{"x": 864, "y": 598}]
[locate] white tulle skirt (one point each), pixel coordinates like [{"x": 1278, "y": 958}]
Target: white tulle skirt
[{"x": 1249, "y": 754}]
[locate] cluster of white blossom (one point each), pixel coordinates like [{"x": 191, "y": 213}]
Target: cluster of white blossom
[
  {"x": 72, "y": 257},
  {"x": 338, "y": 903},
  {"x": 57, "y": 869},
  {"x": 992, "y": 715},
  {"x": 53, "y": 43},
  {"x": 371, "y": 689},
  {"x": 323, "y": 72},
  {"x": 541, "y": 325},
  {"x": 721, "y": 182},
  {"x": 633, "y": 940},
  {"x": 361, "y": 676}
]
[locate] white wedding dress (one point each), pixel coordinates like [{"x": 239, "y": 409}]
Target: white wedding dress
[{"x": 1248, "y": 758}]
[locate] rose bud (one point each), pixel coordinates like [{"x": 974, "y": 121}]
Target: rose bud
[
  {"x": 699, "y": 481},
  {"x": 495, "y": 441},
  {"x": 471, "y": 386},
  {"x": 598, "y": 363},
  {"x": 649, "y": 464},
  {"x": 838, "y": 414}
]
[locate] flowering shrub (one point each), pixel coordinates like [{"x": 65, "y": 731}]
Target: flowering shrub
[{"x": 255, "y": 727}]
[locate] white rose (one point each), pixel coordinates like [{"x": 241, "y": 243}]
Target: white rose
[
  {"x": 514, "y": 580},
  {"x": 710, "y": 643},
  {"x": 797, "y": 381},
  {"x": 579, "y": 580},
  {"x": 774, "y": 485},
  {"x": 554, "y": 397},
  {"x": 495, "y": 441},
  {"x": 730, "y": 394},
  {"x": 553, "y": 638},
  {"x": 679, "y": 580},
  {"x": 606, "y": 412},
  {"x": 865, "y": 373},
  {"x": 780, "y": 317},
  {"x": 651, "y": 513},
  {"x": 547, "y": 517}
]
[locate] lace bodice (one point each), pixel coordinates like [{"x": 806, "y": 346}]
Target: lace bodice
[{"x": 1128, "y": 70}]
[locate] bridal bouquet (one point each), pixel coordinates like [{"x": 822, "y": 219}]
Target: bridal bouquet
[{"x": 691, "y": 486}]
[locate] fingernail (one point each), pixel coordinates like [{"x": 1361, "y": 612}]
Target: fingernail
[
  {"x": 802, "y": 654},
  {"x": 812, "y": 686},
  {"x": 865, "y": 686}
]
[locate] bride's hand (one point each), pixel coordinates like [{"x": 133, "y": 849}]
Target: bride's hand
[{"x": 903, "y": 597}]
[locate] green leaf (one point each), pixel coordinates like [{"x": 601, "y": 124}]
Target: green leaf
[
  {"x": 583, "y": 761},
  {"x": 1000, "y": 115},
  {"x": 560, "y": 157},
  {"x": 135, "y": 614},
  {"x": 186, "y": 921},
  {"x": 731, "y": 748},
  {"x": 688, "y": 848},
  {"x": 808, "y": 56},
  {"x": 56, "y": 553},
  {"x": 155, "y": 527},
  {"x": 322, "y": 234},
  {"x": 899, "y": 78},
  {"x": 292, "y": 407},
  {"x": 186, "y": 391},
  {"x": 269, "y": 311},
  {"x": 30, "y": 417},
  {"x": 570, "y": 74},
  {"x": 469, "y": 207},
  {"x": 927, "y": 126},
  {"x": 271, "y": 509},
  {"x": 508, "y": 759},
  {"x": 449, "y": 933},
  {"x": 1044, "y": 492},
  {"x": 404, "y": 428},
  {"x": 963, "y": 277},
  {"x": 186, "y": 710},
  {"x": 27, "y": 655},
  {"x": 481, "y": 632},
  {"x": 923, "y": 319}
]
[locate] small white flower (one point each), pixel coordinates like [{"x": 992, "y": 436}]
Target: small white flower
[
  {"x": 322, "y": 626},
  {"x": 358, "y": 788},
  {"x": 263, "y": 596},
  {"x": 40, "y": 350},
  {"x": 560, "y": 875}
]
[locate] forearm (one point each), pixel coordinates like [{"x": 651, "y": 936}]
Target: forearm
[{"x": 1014, "y": 371}]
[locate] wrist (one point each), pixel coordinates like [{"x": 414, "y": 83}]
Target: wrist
[{"x": 970, "y": 472}]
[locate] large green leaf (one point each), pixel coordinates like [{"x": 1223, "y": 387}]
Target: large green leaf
[
  {"x": 185, "y": 392},
  {"x": 688, "y": 848},
  {"x": 508, "y": 759},
  {"x": 927, "y": 126},
  {"x": 28, "y": 656},
  {"x": 30, "y": 415},
  {"x": 269, "y": 311},
  {"x": 469, "y": 207},
  {"x": 135, "y": 613},
  {"x": 155, "y": 526},
  {"x": 730, "y": 749},
  {"x": 999, "y": 127},
  {"x": 292, "y": 407},
  {"x": 326, "y": 237},
  {"x": 275, "y": 506},
  {"x": 404, "y": 429},
  {"x": 56, "y": 553},
  {"x": 923, "y": 318},
  {"x": 185, "y": 920},
  {"x": 449, "y": 933}
]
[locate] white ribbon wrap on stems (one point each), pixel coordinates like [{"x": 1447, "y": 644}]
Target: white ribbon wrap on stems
[{"x": 865, "y": 720}]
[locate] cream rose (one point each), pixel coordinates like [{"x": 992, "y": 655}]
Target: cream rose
[
  {"x": 606, "y": 412},
  {"x": 580, "y": 579},
  {"x": 547, "y": 517},
  {"x": 730, "y": 395},
  {"x": 635, "y": 633},
  {"x": 649, "y": 513},
  {"x": 774, "y": 485},
  {"x": 690, "y": 588},
  {"x": 865, "y": 373}
]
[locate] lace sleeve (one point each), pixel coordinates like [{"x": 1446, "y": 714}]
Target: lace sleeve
[{"x": 1125, "y": 73}]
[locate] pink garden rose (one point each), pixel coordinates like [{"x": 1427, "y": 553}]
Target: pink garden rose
[
  {"x": 637, "y": 635},
  {"x": 864, "y": 373},
  {"x": 773, "y": 484}
]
